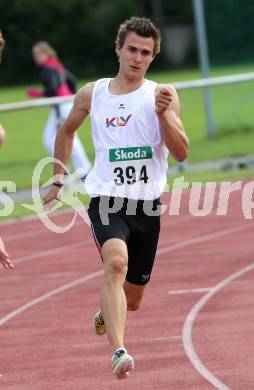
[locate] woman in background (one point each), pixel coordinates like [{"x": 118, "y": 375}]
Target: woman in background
[{"x": 57, "y": 81}]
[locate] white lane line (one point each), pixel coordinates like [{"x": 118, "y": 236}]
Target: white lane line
[
  {"x": 189, "y": 322},
  {"x": 34, "y": 217},
  {"x": 57, "y": 274},
  {"x": 47, "y": 252},
  {"x": 35, "y": 232},
  {"x": 62, "y": 248},
  {"x": 48, "y": 295},
  {"x": 163, "y": 250},
  {"x": 166, "y": 338},
  {"x": 206, "y": 237},
  {"x": 190, "y": 290},
  {"x": 130, "y": 341}
]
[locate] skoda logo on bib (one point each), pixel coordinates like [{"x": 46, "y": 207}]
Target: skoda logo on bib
[{"x": 133, "y": 153}]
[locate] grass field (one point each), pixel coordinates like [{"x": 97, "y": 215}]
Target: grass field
[{"x": 232, "y": 106}]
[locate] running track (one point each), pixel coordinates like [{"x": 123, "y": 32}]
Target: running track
[{"x": 194, "y": 330}]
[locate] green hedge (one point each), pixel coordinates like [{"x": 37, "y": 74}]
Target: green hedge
[
  {"x": 230, "y": 31},
  {"x": 82, "y": 31}
]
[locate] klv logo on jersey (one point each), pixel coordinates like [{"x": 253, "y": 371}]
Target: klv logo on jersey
[{"x": 118, "y": 121}]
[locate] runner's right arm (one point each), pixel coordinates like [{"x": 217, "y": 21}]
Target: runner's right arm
[{"x": 65, "y": 136}]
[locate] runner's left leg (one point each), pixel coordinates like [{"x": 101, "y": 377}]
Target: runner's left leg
[{"x": 113, "y": 300}]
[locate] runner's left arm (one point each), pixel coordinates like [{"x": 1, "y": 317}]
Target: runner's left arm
[{"x": 167, "y": 107}]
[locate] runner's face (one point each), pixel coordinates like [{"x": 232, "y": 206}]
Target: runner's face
[
  {"x": 135, "y": 55},
  {"x": 39, "y": 56}
]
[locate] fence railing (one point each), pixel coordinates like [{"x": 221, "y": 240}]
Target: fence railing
[{"x": 181, "y": 85}]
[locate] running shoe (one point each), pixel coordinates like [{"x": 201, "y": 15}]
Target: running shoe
[
  {"x": 122, "y": 363},
  {"x": 99, "y": 324}
]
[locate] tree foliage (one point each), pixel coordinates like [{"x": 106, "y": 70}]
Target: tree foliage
[{"x": 82, "y": 31}]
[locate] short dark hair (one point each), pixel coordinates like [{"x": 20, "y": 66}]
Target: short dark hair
[{"x": 141, "y": 26}]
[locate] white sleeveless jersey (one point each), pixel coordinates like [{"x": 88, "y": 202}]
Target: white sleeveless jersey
[{"x": 130, "y": 155}]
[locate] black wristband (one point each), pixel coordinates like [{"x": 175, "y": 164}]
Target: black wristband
[{"x": 57, "y": 184}]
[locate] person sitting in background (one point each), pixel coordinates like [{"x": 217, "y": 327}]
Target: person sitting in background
[
  {"x": 4, "y": 257},
  {"x": 57, "y": 81}
]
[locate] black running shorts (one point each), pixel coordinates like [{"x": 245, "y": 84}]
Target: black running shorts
[{"x": 139, "y": 230}]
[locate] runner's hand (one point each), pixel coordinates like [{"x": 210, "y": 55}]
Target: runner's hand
[
  {"x": 52, "y": 195},
  {"x": 163, "y": 98},
  {"x": 4, "y": 257}
]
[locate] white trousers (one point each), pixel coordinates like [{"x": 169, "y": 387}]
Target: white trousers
[{"x": 56, "y": 117}]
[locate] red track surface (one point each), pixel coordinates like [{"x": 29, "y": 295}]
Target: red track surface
[{"x": 49, "y": 344}]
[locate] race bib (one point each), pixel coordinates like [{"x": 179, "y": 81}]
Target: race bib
[{"x": 131, "y": 166}]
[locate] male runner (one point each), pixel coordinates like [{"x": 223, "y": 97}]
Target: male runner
[
  {"x": 135, "y": 122},
  {"x": 4, "y": 257}
]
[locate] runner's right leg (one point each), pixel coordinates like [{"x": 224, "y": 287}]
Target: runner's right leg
[
  {"x": 134, "y": 295},
  {"x": 113, "y": 303}
]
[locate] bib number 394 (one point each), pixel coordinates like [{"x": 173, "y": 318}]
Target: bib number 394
[{"x": 129, "y": 175}]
